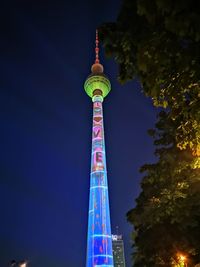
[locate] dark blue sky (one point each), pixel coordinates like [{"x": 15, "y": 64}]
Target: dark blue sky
[{"x": 46, "y": 50}]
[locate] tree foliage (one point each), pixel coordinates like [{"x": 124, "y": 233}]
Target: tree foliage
[
  {"x": 167, "y": 213},
  {"x": 158, "y": 42}
]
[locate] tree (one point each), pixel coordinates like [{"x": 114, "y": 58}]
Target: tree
[
  {"x": 158, "y": 42},
  {"x": 167, "y": 213}
]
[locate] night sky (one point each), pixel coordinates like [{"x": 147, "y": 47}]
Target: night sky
[{"x": 46, "y": 50}]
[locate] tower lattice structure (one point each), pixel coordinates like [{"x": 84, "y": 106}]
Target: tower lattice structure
[{"x": 99, "y": 238}]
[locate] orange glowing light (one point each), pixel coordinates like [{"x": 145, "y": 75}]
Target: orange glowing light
[{"x": 182, "y": 258}]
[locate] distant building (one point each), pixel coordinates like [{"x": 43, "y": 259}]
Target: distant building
[{"x": 118, "y": 251}]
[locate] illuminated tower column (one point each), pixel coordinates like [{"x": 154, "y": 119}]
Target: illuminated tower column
[{"x": 99, "y": 239}]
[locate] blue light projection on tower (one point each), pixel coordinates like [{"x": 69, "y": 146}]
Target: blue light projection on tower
[{"x": 99, "y": 239}]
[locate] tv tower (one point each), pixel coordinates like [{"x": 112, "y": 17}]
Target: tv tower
[{"x": 99, "y": 238}]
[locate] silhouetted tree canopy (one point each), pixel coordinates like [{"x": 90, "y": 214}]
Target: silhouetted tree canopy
[
  {"x": 166, "y": 218},
  {"x": 158, "y": 42}
]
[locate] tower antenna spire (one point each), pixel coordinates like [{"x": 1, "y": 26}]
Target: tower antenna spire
[{"x": 97, "y": 47}]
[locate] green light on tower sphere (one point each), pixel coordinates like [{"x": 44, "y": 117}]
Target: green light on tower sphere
[{"x": 97, "y": 82}]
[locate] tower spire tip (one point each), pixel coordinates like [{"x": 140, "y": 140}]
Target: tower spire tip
[
  {"x": 97, "y": 68},
  {"x": 97, "y": 47}
]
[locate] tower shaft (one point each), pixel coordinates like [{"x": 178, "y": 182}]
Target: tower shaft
[{"x": 99, "y": 239}]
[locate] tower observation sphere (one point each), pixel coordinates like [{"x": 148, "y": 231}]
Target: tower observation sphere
[
  {"x": 97, "y": 83},
  {"x": 99, "y": 238}
]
